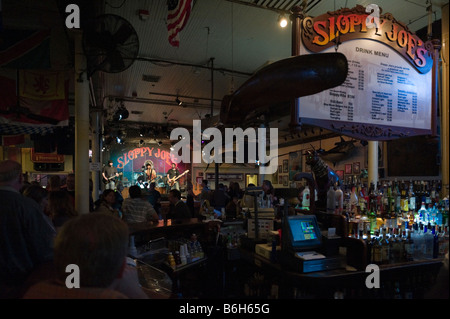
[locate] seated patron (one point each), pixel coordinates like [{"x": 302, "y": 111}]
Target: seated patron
[
  {"x": 137, "y": 209},
  {"x": 98, "y": 245},
  {"x": 178, "y": 208},
  {"x": 106, "y": 205}
]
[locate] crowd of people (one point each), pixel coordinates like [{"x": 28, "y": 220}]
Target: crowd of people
[
  {"x": 41, "y": 234},
  {"x": 39, "y": 231}
]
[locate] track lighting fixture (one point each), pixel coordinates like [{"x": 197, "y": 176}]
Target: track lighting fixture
[
  {"x": 178, "y": 101},
  {"x": 121, "y": 113}
]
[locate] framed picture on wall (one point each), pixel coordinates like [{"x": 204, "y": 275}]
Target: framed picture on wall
[
  {"x": 280, "y": 179},
  {"x": 280, "y": 169},
  {"x": 356, "y": 168},
  {"x": 348, "y": 168},
  {"x": 285, "y": 180},
  {"x": 340, "y": 174},
  {"x": 295, "y": 163},
  {"x": 285, "y": 166}
]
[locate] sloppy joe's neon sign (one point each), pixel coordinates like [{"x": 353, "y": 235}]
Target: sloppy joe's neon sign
[
  {"x": 139, "y": 152},
  {"x": 328, "y": 29}
]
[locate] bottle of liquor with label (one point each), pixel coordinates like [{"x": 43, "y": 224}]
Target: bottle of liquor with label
[
  {"x": 377, "y": 250},
  {"x": 412, "y": 197},
  {"x": 404, "y": 200},
  {"x": 422, "y": 214}
]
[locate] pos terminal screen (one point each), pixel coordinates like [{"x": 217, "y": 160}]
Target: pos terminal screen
[{"x": 304, "y": 231}]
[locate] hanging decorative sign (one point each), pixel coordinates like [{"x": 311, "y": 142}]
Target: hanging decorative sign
[
  {"x": 343, "y": 25},
  {"x": 387, "y": 93}
]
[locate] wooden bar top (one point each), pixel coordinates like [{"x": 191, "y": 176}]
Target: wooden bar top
[{"x": 161, "y": 225}]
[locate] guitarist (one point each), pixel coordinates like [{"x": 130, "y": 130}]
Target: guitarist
[
  {"x": 109, "y": 175},
  {"x": 172, "y": 174},
  {"x": 150, "y": 173}
]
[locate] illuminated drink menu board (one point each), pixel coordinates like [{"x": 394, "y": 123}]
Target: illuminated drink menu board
[
  {"x": 381, "y": 89},
  {"x": 388, "y": 92}
]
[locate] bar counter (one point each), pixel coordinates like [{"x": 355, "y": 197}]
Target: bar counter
[
  {"x": 143, "y": 232},
  {"x": 406, "y": 280}
]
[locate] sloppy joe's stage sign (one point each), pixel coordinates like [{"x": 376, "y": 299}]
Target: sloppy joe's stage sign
[
  {"x": 131, "y": 162},
  {"x": 387, "y": 93}
]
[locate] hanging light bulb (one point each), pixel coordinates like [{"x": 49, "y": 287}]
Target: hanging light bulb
[{"x": 282, "y": 21}]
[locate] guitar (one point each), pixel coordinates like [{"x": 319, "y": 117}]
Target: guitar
[
  {"x": 148, "y": 175},
  {"x": 106, "y": 181},
  {"x": 173, "y": 180}
]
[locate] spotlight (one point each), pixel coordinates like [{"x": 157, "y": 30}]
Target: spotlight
[
  {"x": 282, "y": 21},
  {"x": 179, "y": 102},
  {"x": 160, "y": 143},
  {"x": 142, "y": 132},
  {"x": 121, "y": 114}
]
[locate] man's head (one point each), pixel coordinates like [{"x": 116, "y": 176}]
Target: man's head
[
  {"x": 135, "y": 191},
  {"x": 11, "y": 174},
  {"x": 97, "y": 244},
  {"x": 267, "y": 186},
  {"x": 174, "y": 165},
  {"x": 174, "y": 196},
  {"x": 110, "y": 163}
]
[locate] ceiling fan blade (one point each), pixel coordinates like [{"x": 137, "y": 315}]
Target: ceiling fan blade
[
  {"x": 115, "y": 59},
  {"x": 121, "y": 35}
]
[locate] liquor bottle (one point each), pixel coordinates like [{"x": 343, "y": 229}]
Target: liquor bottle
[
  {"x": 428, "y": 240},
  {"x": 418, "y": 192},
  {"x": 408, "y": 246},
  {"x": 395, "y": 246},
  {"x": 422, "y": 214},
  {"x": 339, "y": 195},
  {"x": 391, "y": 198},
  {"x": 443, "y": 241},
  {"x": 372, "y": 216},
  {"x": 434, "y": 195},
  {"x": 306, "y": 198},
  {"x": 412, "y": 197},
  {"x": 404, "y": 199},
  {"x": 372, "y": 198},
  {"x": 377, "y": 250},
  {"x": 361, "y": 198},
  {"x": 427, "y": 194},
  {"x": 397, "y": 196},
  {"x": 435, "y": 234},
  {"x": 369, "y": 244},
  {"x": 432, "y": 214},
  {"x": 353, "y": 200},
  {"x": 385, "y": 248},
  {"x": 331, "y": 200}
]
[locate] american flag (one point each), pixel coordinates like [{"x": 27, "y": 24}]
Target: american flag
[{"x": 177, "y": 17}]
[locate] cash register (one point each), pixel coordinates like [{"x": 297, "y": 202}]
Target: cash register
[{"x": 302, "y": 246}]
